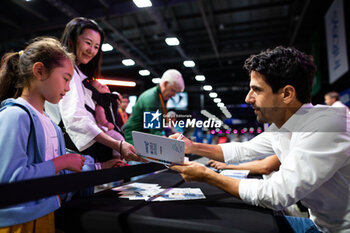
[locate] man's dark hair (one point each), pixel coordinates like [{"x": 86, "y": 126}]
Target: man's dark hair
[{"x": 285, "y": 66}]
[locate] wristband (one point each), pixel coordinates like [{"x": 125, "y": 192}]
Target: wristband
[{"x": 98, "y": 166}]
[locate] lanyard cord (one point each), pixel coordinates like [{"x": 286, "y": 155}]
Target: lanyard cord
[
  {"x": 123, "y": 115},
  {"x": 165, "y": 111}
]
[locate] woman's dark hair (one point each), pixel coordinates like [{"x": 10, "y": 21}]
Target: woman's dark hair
[
  {"x": 16, "y": 70},
  {"x": 285, "y": 66},
  {"x": 69, "y": 39}
]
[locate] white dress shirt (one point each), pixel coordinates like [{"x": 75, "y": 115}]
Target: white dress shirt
[
  {"x": 339, "y": 104},
  {"x": 80, "y": 124},
  {"x": 314, "y": 149}
]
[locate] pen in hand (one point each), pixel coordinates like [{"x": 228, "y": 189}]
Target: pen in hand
[{"x": 181, "y": 136}]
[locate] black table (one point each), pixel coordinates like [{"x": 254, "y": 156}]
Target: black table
[{"x": 219, "y": 212}]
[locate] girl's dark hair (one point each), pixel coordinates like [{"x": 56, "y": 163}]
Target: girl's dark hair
[
  {"x": 69, "y": 39},
  {"x": 16, "y": 67},
  {"x": 283, "y": 66}
]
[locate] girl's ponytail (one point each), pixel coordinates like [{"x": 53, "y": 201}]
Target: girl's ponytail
[{"x": 9, "y": 75}]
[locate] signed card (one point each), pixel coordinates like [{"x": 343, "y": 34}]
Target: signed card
[{"x": 159, "y": 149}]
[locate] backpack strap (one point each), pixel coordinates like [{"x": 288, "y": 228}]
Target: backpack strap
[{"x": 27, "y": 111}]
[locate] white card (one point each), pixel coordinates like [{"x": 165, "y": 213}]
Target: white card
[
  {"x": 238, "y": 174},
  {"x": 159, "y": 149}
]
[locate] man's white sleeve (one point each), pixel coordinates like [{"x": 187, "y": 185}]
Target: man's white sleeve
[
  {"x": 312, "y": 161},
  {"x": 257, "y": 147}
]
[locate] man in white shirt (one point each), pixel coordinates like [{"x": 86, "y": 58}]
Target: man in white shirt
[{"x": 312, "y": 144}]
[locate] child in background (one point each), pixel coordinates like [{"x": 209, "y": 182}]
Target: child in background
[
  {"x": 31, "y": 145},
  {"x": 124, "y": 102}
]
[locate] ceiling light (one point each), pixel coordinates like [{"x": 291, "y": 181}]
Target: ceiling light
[
  {"x": 189, "y": 63},
  {"x": 117, "y": 82},
  {"x": 128, "y": 62},
  {"x": 207, "y": 88},
  {"x": 172, "y": 41},
  {"x": 204, "y": 112},
  {"x": 156, "y": 80},
  {"x": 217, "y": 100},
  {"x": 220, "y": 105},
  {"x": 142, "y": 3},
  {"x": 213, "y": 94},
  {"x": 209, "y": 115},
  {"x": 144, "y": 72},
  {"x": 226, "y": 112},
  {"x": 200, "y": 78},
  {"x": 107, "y": 47}
]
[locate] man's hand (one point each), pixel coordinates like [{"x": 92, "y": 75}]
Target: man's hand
[
  {"x": 129, "y": 154},
  {"x": 192, "y": 171},
  {"x": 188, "y": 142},
  {"x": 216, "y": 164}
]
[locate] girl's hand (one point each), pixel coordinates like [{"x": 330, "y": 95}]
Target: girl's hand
[
  {"x": 75, "y": 162},
  {"x": 72, "y": 162}
]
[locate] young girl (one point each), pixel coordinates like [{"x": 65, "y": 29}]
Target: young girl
[{"x": 31, "y": 145}]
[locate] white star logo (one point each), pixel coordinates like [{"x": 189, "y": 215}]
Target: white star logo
[{"x": 155, "y": 115}]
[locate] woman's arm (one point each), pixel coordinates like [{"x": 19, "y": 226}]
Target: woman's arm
[{"x": 127, "y": 150}]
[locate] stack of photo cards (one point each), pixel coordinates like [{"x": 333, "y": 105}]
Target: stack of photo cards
[
  {"x": 153, "y": 192},
  {"x": 176, "y": 194},
  {"x": 138, "y": 191}
]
